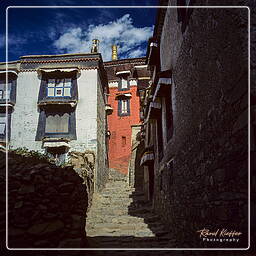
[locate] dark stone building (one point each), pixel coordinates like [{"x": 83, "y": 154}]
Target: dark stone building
[{"x": 195, "y": 127}]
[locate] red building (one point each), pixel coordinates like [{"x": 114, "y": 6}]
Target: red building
[{"x": 125, "y": 78}]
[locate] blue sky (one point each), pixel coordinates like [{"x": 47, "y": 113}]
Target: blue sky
[{"x": 70, "y": 30}]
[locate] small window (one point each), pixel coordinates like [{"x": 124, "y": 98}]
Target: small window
[
  {"x": 59, "y": 87},
  {"x": 57, "y": 123},
  {"x": 5, "y": 127},
  {"x": 5, "y": 90},
  {"x": 124, "y": 107},
  {"x": 2, "y": 125},
  {"x": 124, "y": 83},
  {"x": 123, "y": 141}
]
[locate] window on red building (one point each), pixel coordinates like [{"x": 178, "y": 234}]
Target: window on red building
[
  {"x": 123, "y": 84},
  {"x": 123, "y": 141},
  {"x": 124, "y": 107}
]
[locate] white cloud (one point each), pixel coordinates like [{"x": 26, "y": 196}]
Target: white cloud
[
  {"x": 121, "y": 32},
  {"x": 135, "y": 53}
]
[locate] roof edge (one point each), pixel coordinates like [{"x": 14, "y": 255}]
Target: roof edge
[{"x": 59, "y": 55}]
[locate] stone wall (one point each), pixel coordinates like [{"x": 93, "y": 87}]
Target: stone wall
[
  {"x": 134, "y": 163},
  {"x": 202, "y": 180},
  {"x": 84, "y": 165},
  {"x": 102, "y": 170},
  {"x": 253, "y": 125},
  {"x": 46, "y": 204}
]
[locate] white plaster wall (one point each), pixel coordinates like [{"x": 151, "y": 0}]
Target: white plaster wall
[
  {"x": 25, "y": 116},
  {"x": 86, "y": 112},
  {"x": 24, "y": 120}
]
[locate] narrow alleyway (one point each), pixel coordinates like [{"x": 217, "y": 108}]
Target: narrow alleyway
[{"x": 120, "y": 218}]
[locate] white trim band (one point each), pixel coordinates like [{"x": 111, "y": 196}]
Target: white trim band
[
  {"x": 127, "y": 95},
  {"x": 9, "y": 71},
  {"x": 164, "y": 81},
  {"x": 155, "y": 105},
  {"x": 153, "y": 44},
  {"x": 61, "y": 69},
  {"x": 123, "y": 72},
  {"x": 148, "y": 156},
  {"x": 56, "y": 144}
]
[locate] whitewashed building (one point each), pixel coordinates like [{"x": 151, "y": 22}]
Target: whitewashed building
[{"x": 56, "y": 105}]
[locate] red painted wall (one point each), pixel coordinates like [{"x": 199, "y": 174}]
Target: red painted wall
[{"x": 120, "y": 126}]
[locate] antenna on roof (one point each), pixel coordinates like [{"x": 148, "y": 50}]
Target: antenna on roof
[{"x": 95, "y": 46}]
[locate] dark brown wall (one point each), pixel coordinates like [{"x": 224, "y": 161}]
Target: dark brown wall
[{"x": 207, "y": 187}]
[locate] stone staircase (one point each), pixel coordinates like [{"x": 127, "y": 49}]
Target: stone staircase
[{"x": 120, "y": 218}]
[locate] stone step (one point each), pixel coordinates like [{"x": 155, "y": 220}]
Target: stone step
[
  {"x": 115, "y": 226},
  {"x": 117, "y": 219},
  {"x": 121, "y": 217},
  {"x": 105, "y": 200},
  {"x": 109, "y": 212},
  {"x": 114, "y": 204},
  {"x": 114, "y": 193},
  {"x": 128, "y": 219}
]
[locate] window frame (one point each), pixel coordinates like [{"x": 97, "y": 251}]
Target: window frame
[
  {"x": 41, "y": 127},
  {"x": 7, "y": 127},
  {"x": 124, "y": 77},
  {"x": 123, "y": 141},
  {"x": 43, "y": 92},
  {"x": 120, "y": 107},
  {"x": 55, "y": 88},
  {"x": 11, "y": 91},
  {"x": 3, "y": 123},
  {"x": 56, "y": 133}
]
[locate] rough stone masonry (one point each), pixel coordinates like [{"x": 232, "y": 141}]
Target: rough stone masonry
[{"x": 46, "y": 204}]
